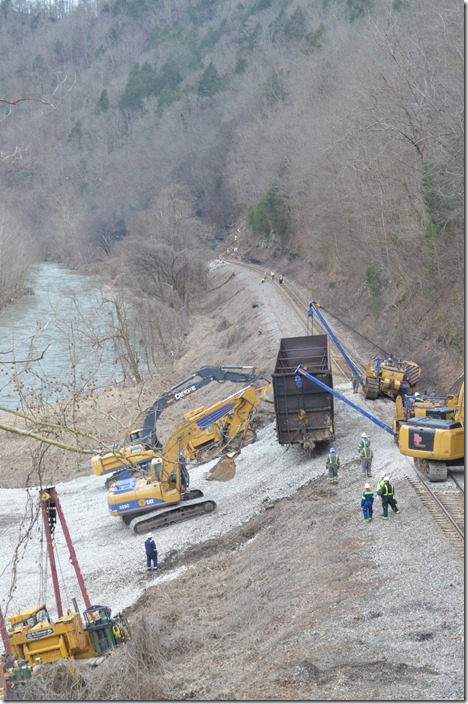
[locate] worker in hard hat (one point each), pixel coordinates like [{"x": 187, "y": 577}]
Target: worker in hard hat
[
  {"x": 151, "y": 554},
  {"x": 333, "y": 465},
  {"x": 380, "y": 483},
  {"x": 366, "y": 454},
  {"x": 387, "y": 494},
  {"x": 367, "y": 501},
  {"x": 355, "y": 383}
]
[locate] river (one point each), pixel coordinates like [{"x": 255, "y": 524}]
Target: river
[{"x": 53, "y": 325}]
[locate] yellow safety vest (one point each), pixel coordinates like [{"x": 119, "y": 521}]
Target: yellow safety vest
[{"x": 389, "y": 489}]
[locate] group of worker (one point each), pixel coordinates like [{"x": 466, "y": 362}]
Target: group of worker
[
  {"x": 385, "y": 489},
  {"x": 272, "y": 275}
]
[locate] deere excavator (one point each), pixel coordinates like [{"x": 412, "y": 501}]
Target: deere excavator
[
  {"x": 436, "y": 439},
  {"x": 144, "y": 444},
  {"x": 164, "y": 497},
  {"x": 35, "y": 639}
]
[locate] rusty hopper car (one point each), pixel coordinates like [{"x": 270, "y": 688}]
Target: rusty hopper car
[{"x": 304, "y": 415}]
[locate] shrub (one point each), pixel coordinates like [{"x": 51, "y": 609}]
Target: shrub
[
  {"x": 270, "y": 216},
  {"x": 374, "y": 280}
]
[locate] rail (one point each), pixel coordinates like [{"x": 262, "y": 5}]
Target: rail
[
  {"x": 447, "y": 507},
  {"x": 300, "y": 308}
]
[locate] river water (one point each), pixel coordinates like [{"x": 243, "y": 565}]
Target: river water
[{"x": 54, "y": 324}]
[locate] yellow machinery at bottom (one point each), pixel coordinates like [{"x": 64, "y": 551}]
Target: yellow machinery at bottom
[{"x": 35, "y": 639}]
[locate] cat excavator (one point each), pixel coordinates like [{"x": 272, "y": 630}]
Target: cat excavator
[
  {"x": 436, "y": 440},
  {"x": 164, "y": 497},
  {"x": 143, "y": 443}
]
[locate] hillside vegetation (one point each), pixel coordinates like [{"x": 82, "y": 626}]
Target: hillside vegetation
[{"x": 328, "y": 134}]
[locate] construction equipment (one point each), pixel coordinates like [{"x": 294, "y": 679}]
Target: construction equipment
[
  {"x": 163, "y": 497},
  {"x": 382, "y": 376},
  {"x": 389, "y": 377},
  {"x": 144, "y": 443},
  {"x": 34, "y": 638},
  {"x": 436, "y": 441},
  {"x": 304, "y": 415},
  {"x": 432, "y": 406}
]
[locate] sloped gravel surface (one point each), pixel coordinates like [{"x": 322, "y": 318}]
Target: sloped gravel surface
[{"x": 296, "y": 597}]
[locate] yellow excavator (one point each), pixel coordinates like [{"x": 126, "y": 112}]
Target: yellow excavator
[
  {"x": 162, "y": 498},
  {"x": 418, "y": 405},
  {"x": 143, "y": 443},
  {"x": 436, "y": 440}
]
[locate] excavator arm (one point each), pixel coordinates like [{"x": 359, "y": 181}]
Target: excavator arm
[
  {"x": 180, "y": 437},
  {"x": 130, "y": 459},
  {"x": 166, "y": 492},
  {"x": 241, "y": 374}
]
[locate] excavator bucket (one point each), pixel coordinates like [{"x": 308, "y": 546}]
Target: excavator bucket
[{"x": 225, "y": 469}]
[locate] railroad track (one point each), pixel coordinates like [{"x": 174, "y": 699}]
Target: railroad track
[
  {"x": 300, "y": 307},
  {"x": 447, "y": 507}
]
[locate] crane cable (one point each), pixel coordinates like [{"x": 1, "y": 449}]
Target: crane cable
[
  {"x": 360, "y": 365},
  {"x": 356, "y": 331},
  {"x": 43, "y": 563},
  {"x": 64, "y": 584}
]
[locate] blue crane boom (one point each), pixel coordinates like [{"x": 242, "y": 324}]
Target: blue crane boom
[
  {"x": 300, "y": 371},
  {"x": 314, "y": 310}
]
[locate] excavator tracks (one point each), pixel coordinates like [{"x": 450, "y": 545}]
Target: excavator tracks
[
  {"x": 169, "y": 515},
  {"x": 371, "y": 388}
]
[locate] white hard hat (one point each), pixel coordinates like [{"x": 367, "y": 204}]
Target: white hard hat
[
  {"x": 363, "y": 435},
  {"x": 150, "y": 535},
  {"x": 382, "y": 475},
  {"x": 386, "y": 478},
  {"x": 366, "y": 486}
]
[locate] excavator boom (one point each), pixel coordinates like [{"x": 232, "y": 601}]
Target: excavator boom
[
  {"x": 166, "y": 493},
  {"x": 137, "y": 455},
  {"x": 240, "y": 374}
]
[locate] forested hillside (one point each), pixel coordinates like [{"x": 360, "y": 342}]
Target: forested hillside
[{"x": 328, "y": 133}]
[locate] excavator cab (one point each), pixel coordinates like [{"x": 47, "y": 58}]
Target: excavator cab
[
  {"x": 135, "y": 435},
  {"x": 436, "y": 441}
]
